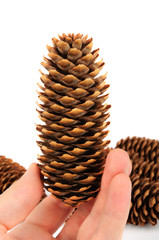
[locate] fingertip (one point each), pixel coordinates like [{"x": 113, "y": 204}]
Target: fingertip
[
  {"x": 32, "y": 170},
  {"x": 33, "y": 167},
  {"x": 118, "y": 160},
  {"x": 31, "y": 179}
]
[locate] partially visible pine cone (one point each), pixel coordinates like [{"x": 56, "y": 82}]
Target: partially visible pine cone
[
  {"x": 9, "y": 172},
  {"x": 143, "y": 168},
  {"x": 144, "y": 202},
  {"x": 74, "y": 119},
  {"x": 146, "y": 148},
  {"x": 144, "y": 154}
]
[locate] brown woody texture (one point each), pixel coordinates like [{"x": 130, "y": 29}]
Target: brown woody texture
[
  {"x": 145, "y": 147},
  {"x": 144, "y": 154},
  {"x": 74, "y": 117},
  {"x": 9, "y": 172}
]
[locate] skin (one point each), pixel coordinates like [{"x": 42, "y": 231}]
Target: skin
[{"x": 99, "y": 219}]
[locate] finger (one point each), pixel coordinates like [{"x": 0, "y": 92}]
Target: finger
[
  {"x": 117, "y": 162},
  {"x": 48, "y": 216},
  {"x": 116, "y": 211},
  {"x": 20, "y": 199},
  {"x": 73, "y": 224},
  {"x": 28, "y": 232}
]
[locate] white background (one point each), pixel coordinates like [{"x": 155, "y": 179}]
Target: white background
[{"x": 127, "y": 33}]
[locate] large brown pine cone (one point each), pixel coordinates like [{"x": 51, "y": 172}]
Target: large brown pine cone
[
  {"x": 74, "y": 118},
  {"x": 9, "y": 172},
  {"x": 144, "y": 154}
]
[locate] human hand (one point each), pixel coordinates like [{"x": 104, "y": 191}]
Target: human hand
[{"x": 99, "y": 219}]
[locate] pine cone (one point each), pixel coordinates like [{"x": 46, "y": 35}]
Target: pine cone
[
  {"x": 144, "y": 202},
  {"x": 143, "y": 168},
  {"x": 144, "y": 154},
  {"x": 146, "y": 148},
  {"x": 9, "y": 172},
  {"x": 74, "y": 119}
]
